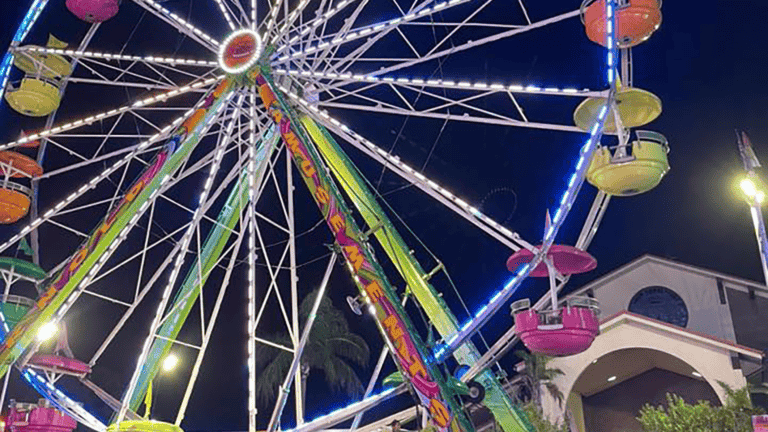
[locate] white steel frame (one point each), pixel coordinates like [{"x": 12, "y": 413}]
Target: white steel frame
[{"x": 336, "y": 64}]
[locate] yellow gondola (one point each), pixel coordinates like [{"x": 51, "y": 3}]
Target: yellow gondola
[
  {"x": 35, "y": 97},
  {"x": 633, "y": 174},
  {"x": 33, "y": 62},
  {"x": 48, "y": 65},
  {"x": 144, "y": 426},
  {"x": 636, "y": 108}
]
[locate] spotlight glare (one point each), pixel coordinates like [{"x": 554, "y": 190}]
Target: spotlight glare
[
  {"x": 47, "y": 331},
  {"x": 749, "y": 188},
  {"x": 170, "y": 362}
]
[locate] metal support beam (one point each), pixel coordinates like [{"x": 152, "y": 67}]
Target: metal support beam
[{"x": 286, "y": 387}]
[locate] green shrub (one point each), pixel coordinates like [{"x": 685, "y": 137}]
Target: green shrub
[
  {"x": 539, "y": 422},
  {"x": 679, "y": 416}
]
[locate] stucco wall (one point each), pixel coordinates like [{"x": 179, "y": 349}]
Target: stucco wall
[
  {"x": 626, "y": 332},
  {"x": 700, "y": 293},
  {"x": 750, "y": 318}
]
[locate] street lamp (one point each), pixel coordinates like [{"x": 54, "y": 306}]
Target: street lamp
[
  {"x": 169, "y": 364},
  {"x": 755, "y": 196},
  {"x": 750, "y": 189}
]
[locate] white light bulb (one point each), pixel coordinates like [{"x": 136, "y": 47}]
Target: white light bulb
[
  {"x": 170, "y": 362},
  {"x": 47, "y": 331}
]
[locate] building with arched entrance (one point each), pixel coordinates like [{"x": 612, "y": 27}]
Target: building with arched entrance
[
  {"x": 637, "y": 360},
  {"x": 666, "y": 327}
]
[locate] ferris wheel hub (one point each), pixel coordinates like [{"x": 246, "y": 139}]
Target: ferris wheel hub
[{"x": 240, "y": 51}]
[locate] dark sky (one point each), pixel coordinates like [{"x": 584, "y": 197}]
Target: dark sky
[{"x": 707, "y": 63}]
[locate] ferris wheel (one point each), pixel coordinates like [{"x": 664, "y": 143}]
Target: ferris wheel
[{"x": 154, "y": 175}]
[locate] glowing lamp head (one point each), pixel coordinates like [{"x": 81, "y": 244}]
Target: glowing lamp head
[
  {"x": 170, "y": 362},
  {"x": 749, "y": 188},
  {"x": 240, "y": 51},
  {"x": 47, "y": 331}
]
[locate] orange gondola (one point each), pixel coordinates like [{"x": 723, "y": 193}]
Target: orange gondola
[
  {"x": 14, "y": 202},
  {"x": 17, "y": 165},
  {"x": 636, "y": 20}
]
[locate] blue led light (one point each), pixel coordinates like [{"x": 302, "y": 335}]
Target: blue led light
[
  {"x": 495, "y": 297},
  {"x": 61, "y": 401},
  {"x": 574, "y": 184},
  {"x": 347, "y": 407},
  {"x": 26, "y": 25}
]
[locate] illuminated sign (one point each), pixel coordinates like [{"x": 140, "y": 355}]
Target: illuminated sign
[{"x": 240, "y": 51}]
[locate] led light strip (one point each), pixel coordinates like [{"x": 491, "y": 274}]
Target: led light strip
[
  {"x": 181, "y": 21},
  {"x": 421, "y": 178},
  {"x": 226, "y": 14},
  {"x": 96, "y": 117},
  {"x": 291, "y": 18},
  {"x": 109, "y": 56},
  {"x": 317, "y": 22},
  {"x": 26, "y": 25},
  {"x": 272, "y": 16},
  {"x": 460, "y": 85},
  {"x": 90, "y": 185},
  {"x": 69, "y": 405},
  {"x": 253, "y": 15},
  {"x": 370, "y": 29},
  {"x": 352, "y": 408},
  {"x": 254, "y": 55},
  {"x": 134, "y": 219},
  {"x": 443, "y": 351},
  {"x": 251, "y": 345},
  {"x": 179, "y": 261},
  {"x": 567, "y": 200}
]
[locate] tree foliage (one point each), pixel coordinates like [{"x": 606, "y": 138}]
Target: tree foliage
[
  {"x": 332, "y": 349},
  {"x": 537, "y": 373},
  {"x": 540, "y": 423},
  {"x": 678, "y": 415}
]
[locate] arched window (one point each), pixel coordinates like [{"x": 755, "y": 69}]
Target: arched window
[{"x": 661, "y": 304}]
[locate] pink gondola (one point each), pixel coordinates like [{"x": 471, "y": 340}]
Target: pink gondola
[
  {"x": 60, "y": 364},
  {"x": 566, "y": 260},
  {"x": 41, "y": 417},
  {"x": 558, "y": 331},
  {"x": 94, "y": 11},
  {"x": 563, "y": 332}
]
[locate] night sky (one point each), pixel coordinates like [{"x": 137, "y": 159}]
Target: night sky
[{"x": 707, "y": 63}]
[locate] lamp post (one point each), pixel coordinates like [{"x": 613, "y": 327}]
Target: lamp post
[
  {"x": 755, "y": 196},
  {"x": 169, "y": 365}
]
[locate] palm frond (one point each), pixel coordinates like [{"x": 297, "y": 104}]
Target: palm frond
[
  {"x": 351, "y": 347},
  {"x": 271, "y": 377},
  {"x": 331, "y": 349}
]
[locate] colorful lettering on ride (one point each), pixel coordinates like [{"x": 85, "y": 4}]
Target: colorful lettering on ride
[
  {"x": 150, "y": 173},
  {"x": 346, "y": 234}
]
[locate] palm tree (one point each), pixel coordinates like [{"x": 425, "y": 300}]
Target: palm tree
[
  {"x": 331, "y": 349},
  {"x": 537, "y": 373}
]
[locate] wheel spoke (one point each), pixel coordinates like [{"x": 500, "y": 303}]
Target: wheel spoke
[
  {"x": 111, "y": 113},
  {"x": 179, "y": 23}
]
